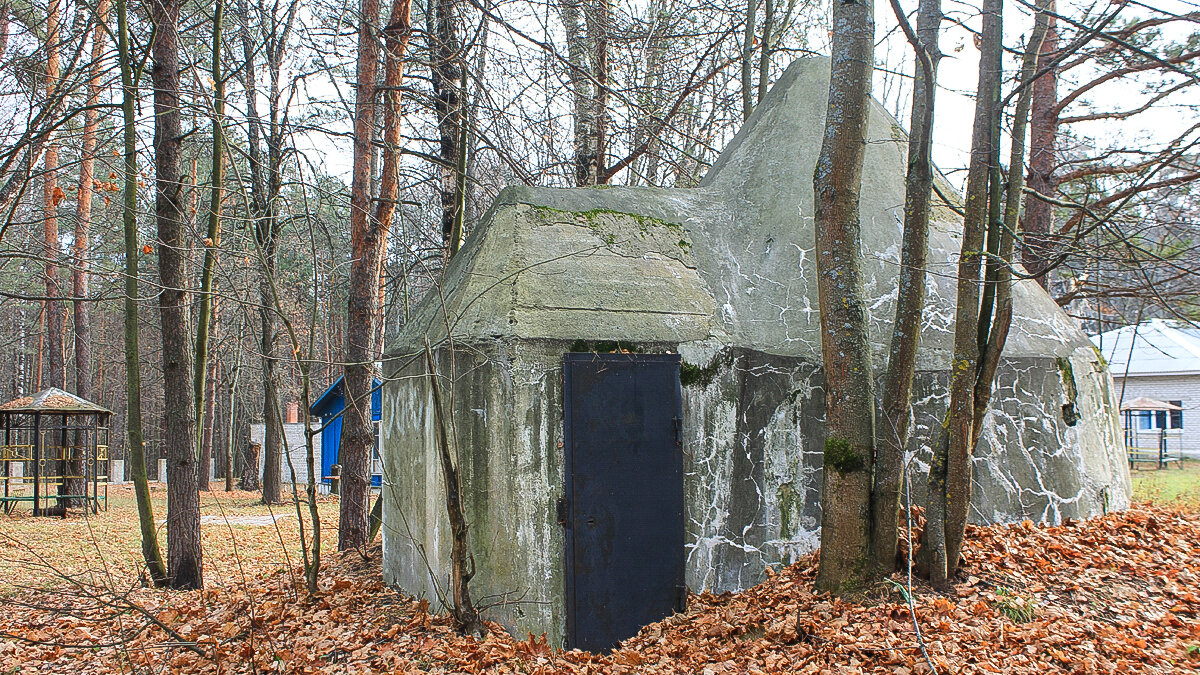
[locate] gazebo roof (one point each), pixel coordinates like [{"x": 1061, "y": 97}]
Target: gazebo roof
[
  {"x": 1145, "y": 403},
  {"x": 54, "y": 401}
]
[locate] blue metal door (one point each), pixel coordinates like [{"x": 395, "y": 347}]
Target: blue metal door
[
  {"x": 623, "y": 504},
  {"x": 331, "y": 438}
]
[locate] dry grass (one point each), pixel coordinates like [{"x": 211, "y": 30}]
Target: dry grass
[
  {"x": 240, "y": 536},
  {"x": 1176, "y": 484}
]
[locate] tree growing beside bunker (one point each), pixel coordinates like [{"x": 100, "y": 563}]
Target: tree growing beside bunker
[
  {"x": 845, "y": 340},
  {"x": 863, "y": 521},
  {"x": 369, "y": 236}
]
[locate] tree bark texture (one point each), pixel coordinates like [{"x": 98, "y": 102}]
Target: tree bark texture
[
  {"x": 1038, "y": 220},
  {"x": 580, "y": 51},
  {"x": 449, "y": 105},
  {"x": 363, "y": 343},
  {"x": 55, "y": 364},
  {"x": 1000, "y": 273},
  {"x": 201, "y": 388},
  {"x": 354, "y": 453},
  {"x": 272, "y": 419},
  {"x": 845, "y": 346},
  {"x": 598, "y": 23},
  {"x": 765, "y": 49},
  {"x": 748, "y": 59},
  {"x": 888, "y": 480},
  {"x": 4, "y": 27},
  {"x": 135, "y": 448},
  {"x": 263, "y": 190},
  {"x": 952, "y": 497},
  {"x": 179, "y": 439},
  {"x": 83, "y": 213},
  {"x": 462, "y": 608},
  {"x": 231, "y": 436},
  {"x": 204, "y": 469}
]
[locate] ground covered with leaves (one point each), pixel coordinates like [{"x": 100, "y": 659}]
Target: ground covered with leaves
[{"x": 1113, "y": 594}]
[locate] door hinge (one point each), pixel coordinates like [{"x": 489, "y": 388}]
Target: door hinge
[
  {"x": 681, "y": 597},
  {"x": 560, "y": 510}
]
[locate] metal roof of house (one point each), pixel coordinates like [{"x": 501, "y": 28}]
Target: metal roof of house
[
  {"x": 333, "y": 400},
  {"x": 1154, "y": 347}
]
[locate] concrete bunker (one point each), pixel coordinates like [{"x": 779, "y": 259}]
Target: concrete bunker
[{"x": 722, "y": 276}]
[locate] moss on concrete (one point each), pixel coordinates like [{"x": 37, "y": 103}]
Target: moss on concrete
[
  {"x": 788, "y": 501},
  {"x": 691, "y": 374},
  {"x": 1067, "y": 372},
  {"x": 592, "y": 218}
]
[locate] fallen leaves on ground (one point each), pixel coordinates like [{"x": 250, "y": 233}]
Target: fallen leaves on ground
[{"x": 1110, "y": 595}]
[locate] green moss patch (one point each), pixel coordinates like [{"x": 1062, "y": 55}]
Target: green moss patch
[{"x": 842, "y": 457}]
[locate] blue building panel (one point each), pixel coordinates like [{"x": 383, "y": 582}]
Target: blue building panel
[{"x": 329, "y": 407}]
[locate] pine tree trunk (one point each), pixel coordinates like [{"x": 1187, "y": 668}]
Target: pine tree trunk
[
  {"x": 272, "y": 421},
  {"x": 748, "y": 45},
  {"x": 845, "y": 345},
  {"x": 1038, "y": 219},
  {"x": 179, "y": 439},
  {"x": 83, "y": 214},
  {"x": 4, "y": 22},
  {"x": 205, "y": 468},
  {"x": 56, "y": 373},
  {"x": 354, "y": 452},
  {"x": 598, "y": 20},
  {"x": 230, "y": 435},
  {"x": 263, "y": 186}
]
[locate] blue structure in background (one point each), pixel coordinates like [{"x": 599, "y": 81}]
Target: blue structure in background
[{"x": 332, "y": 403}]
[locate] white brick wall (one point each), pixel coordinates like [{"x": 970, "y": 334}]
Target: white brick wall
[
  {"x": 1185, "y": 388},
  {"x": 296, "y": 448}
]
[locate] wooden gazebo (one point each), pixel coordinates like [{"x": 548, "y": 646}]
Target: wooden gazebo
[
  {"x": 55, "y": 452},
  {"x": 1151, "y": 444}
]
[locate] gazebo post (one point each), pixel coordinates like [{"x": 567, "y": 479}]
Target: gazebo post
[
  {"x": 37, "y": 464},
  {"x": 64, "y": 465},
  {"x": 95, "y": 463},
  {"x": 7, "y": 459},
  {"x": 108, "y": 458},
  {"x": 1162, "y": 447}
]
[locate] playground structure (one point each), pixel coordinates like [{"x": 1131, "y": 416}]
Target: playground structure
[
  {"x": 1149, "y": 436},
  {"x": 55, "y": 453}
]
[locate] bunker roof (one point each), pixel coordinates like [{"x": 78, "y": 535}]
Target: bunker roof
[{"x": 729, "y": 262}]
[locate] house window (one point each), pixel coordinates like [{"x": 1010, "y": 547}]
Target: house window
[{"x": 1176, "y": 416}]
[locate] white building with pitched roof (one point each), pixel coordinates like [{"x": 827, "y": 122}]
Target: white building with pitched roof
[{"x": 1158, "y": 359}]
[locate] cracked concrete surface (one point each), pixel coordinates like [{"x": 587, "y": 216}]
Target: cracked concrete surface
[{"x": 724, "y": 275}]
